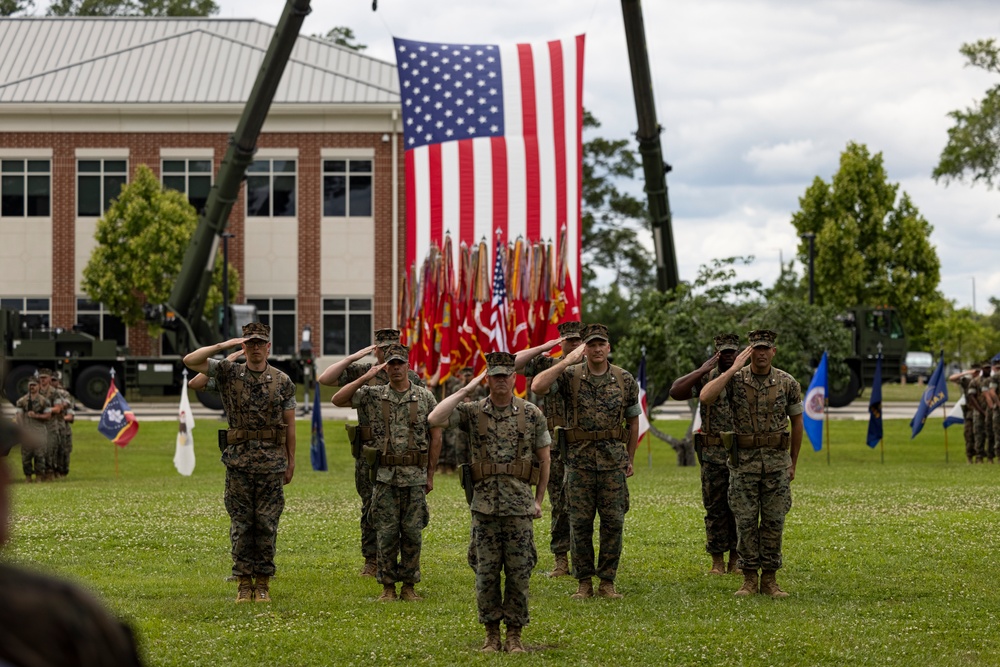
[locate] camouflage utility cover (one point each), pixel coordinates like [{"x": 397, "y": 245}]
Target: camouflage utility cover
[
  {"x": 368, "y": 401},
  {"x": 259, "y": 404},
  {"x": 502, "y": 495}
]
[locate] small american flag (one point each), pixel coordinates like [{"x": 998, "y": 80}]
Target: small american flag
[
  {"x": 493, "y": 139},
  {"x": 499, "y": 305}
]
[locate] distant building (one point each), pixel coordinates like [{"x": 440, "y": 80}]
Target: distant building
[{"x": 84, "y": 101}]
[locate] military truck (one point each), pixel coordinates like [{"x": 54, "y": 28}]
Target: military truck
[
  {"x": 870, "y": 327},
  {"x": 85, "y": 361}
]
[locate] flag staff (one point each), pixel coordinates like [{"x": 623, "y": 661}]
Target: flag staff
[
  {"x": 649, "y": 448},
  {"x": 943, "y": 408},
  {"x": 826, "y": 426},
  {"x": 115, "y": 445}
]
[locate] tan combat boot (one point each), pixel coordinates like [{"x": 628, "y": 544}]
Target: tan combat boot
[
  {"x": 607, "y": 590},
  {"x": 585, "y": 590},
  {"x": 369, "y": 568},
  {"x": 749, "y": 586},
  {"x": 512, "y": 644},
  {"x": 388, "y": 593},
  {"x": 407, "y": 594},
  {"x": 769, "y": 584},
  {"x": 733, "y": 568},
  {"x": 245, "y": 591},
  {"x": 262, "y": 588},
  {"x": 492, "y": 643},
  {"x": 718, "y": 564},
  {"x": 561, "y": 568}
]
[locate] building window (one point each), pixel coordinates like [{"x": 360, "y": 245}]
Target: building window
[
  {"x": 347, "y": 325},
  {"x": 279, "y": 314},
  {"x": 25, "y": 188},
  {"x": 94, "y": 319},
  {"x": 191, "y": 177},
  {"x": 347, "y": 188},
  {"x": 34, "y": 311},
  {"x": 97, "y": 183},
  {"x": 271, "y": 189}
]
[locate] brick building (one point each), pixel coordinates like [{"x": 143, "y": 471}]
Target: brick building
[{"x": 318, "y": 225}]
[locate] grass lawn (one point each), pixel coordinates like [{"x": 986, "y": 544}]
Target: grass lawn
[{"x": 886, "y": 564}]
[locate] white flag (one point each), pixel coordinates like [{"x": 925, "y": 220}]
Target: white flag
[
  {"x": 696, "y": 426},
  {"x": 184, "y": 454}
]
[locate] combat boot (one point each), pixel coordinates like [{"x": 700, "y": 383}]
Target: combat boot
[
  {"x": 262, "y": 588},
  {"x": 512, "y": 644},
  {"x": 769, "y": 584},
  {"x": 607, "y": 590},
  {"x": 492, "y": 643},
  {"x": 407, "y": 594},
  {"x": 561, "y": 568},
  {"x": 718, "y": 564},
  {"x": 585, "y": 590},
  {"x": 388, "y": 593},
  {"x": 734, "y": 567},
  {"x": 245, "y": 591},
  {"x": 369, "y": 568},
  {"x": 969, "y": 459},
  {"x": 749, "y": 586}
]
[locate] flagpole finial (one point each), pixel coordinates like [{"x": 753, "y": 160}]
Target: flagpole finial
[
  {"x": 112, "y": 372},
  {"x": 880, "y": 347},
  {"x": 184, "y": 372},
  {"x": 643, "y": 350}
]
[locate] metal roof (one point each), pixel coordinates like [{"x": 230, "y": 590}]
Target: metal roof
[{"x": 175, "y": 61}]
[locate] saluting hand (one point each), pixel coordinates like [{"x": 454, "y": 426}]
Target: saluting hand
[
  {"x": 576, "y": 355},
  {"x": 743, "y": 357},
  {"x": 709, "y": 363}
]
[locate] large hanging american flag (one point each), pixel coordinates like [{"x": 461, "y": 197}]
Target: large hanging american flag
[{"x": 493, "y": 139}]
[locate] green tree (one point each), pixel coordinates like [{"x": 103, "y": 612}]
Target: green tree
[
  {"x": 973, "y": 148},
  {"x": 343, "y": 36},
  {"x": 613, "y": 221},
  {"x": 140, "y": 248},
  {"x": 133, "y": 8},
  {"x": 872, "y": 246},
  {"x": 965, "y": 336},
  {"x": 15, "y": 7}
]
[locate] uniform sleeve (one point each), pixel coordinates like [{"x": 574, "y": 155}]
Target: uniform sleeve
[
  {"x": 460, "y": 416},
  {"x": 359, "y": 396},
  {"x": 542, "y": 437},
  {"x": 352, "y": 373},
  {"x": 214, "y": 366},
  {"x": 795, "y": 405},
  {"x": 634, "y": 408},
  {"x": 211, "y": 386},
  {"x": 538, "y": 364},
  {"x": 973, "y": 388},
  {"x": 22, "y": 404}
]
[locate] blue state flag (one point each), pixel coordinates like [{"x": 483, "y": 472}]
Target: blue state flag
[
  {"x": 815, "y": 405},
  {"x": 935, "y": 394},
  {"x": 875, "y": 407},
  {"x": 317, "y": 448}
]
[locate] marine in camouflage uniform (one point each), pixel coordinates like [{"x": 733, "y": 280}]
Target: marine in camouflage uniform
[
  {"x": 33, "y": 412},
  {"x": 964, "y": 381},
  {"x": 408, "y": 450},
  {"x": 763, "y": 399},
  {"x": 508, "y": 440},
  {"x": 64, "y": 421},
  {"x": 52, "y": 428},
  {"x": 720, "y": 524},
  {"x": 455, "y": 445},
  {"x": 600, "y": 399},
  {"x": 977, "y": 390},
  {"x": 259, "y": 401},
  {"x": 45, "y": 621},
  {"x": 341, "y": 374},
  {"x": 555, "y": 415},
  {"x": 994, "y": 411}
]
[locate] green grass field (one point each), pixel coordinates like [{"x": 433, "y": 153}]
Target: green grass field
[{"x": 886, "y": 564}]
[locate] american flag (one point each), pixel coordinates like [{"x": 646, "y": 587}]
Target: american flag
[
  {"x": 493, "y": 139},
  {"x": 498, "y": 308}
]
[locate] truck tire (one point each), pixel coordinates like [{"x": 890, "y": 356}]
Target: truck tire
[
  {"x": 92, "y": 386},
  {"x": 16, "y": 384},
  {"x": 844, "y": 390},
  {"x": 210, "y": 399}
]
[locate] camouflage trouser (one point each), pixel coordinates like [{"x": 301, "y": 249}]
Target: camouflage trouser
[
  {"x": 560, "y": 514},
  {"x": 979, "y": 429},
  {"x": 52, "y": 449},
  {"x": 363, "y": 484},
  {"x": 760, "y": 503},
  {"x": 990, "y": 439},
  {"x": 995, "y": 414},
  {"x": 969, "y": 432},
  {"x": 503, "y": 543},
  {"x": 33, "y": 453},
  {"x": 449, "y": 448},
  {"x": 720, "y": 525},
  {"x": 590, "y": 493},
  {"x": 64, "y": 446},
  {"x": 399, "y": 514},
  {"x": 254, "y": 502}
]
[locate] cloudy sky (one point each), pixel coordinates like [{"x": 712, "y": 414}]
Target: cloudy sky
[{"x": 757, "y": 97}]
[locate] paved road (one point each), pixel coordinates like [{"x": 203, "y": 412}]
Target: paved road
[{"x": 671, "y": 410}]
